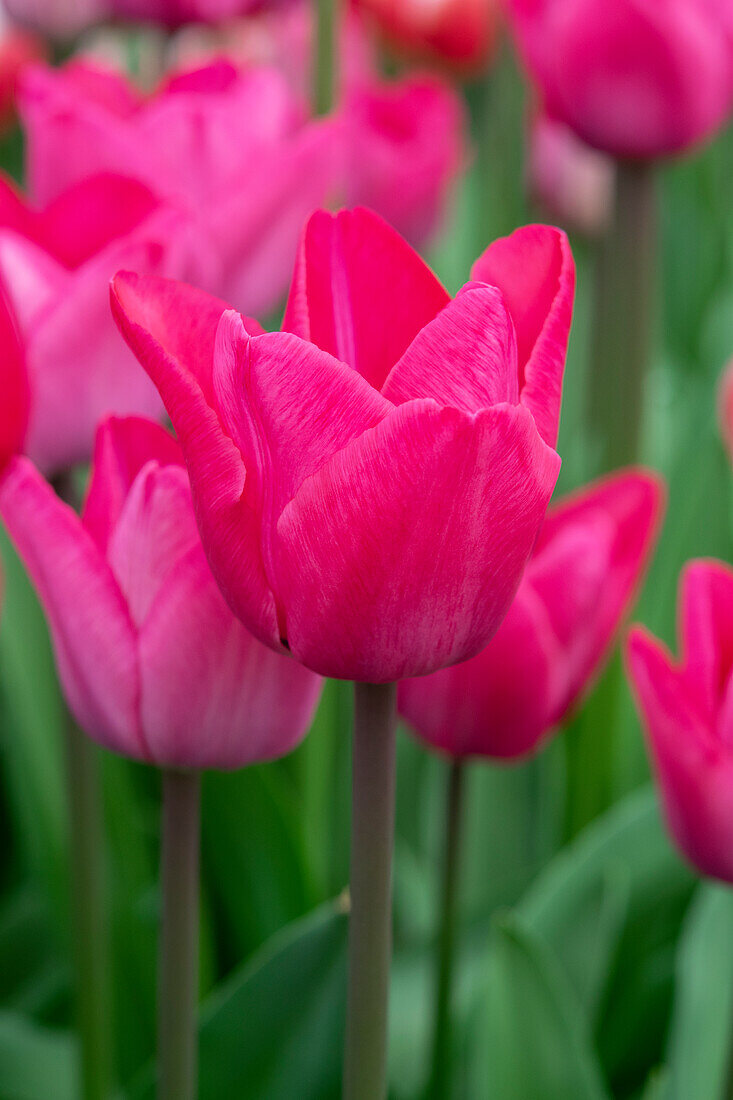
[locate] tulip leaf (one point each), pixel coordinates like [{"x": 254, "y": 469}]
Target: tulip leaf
[
  {"x": 274, "y": 1029},
  {"x": 702, "y": 1021},
  {"x": 36, "y": 1063},
  {"x": 532, "y": 1039}
]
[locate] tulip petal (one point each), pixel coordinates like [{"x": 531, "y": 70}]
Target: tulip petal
[
  {"x": 172, "y": 330},
  {"x": 94, "y": 639},
  {"x": 466, "y": 357},
  {"x": 289, "y": 407},
  {"x": 483, "y": 707},
  {"x": 535, "y": 271},
  {"x": 212, "y": 695},
  {"x": 707, "y": 631},
  {"x": 695, "y": 771},
  {"x": 360, "y": 292},
  {"x": 379, "y": 587},
  {"x": 13, "y": 383},
  {"x": 121, "y": 448}
]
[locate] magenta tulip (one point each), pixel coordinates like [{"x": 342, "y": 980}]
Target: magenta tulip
[
  {"x": 153, "y": 663},
  {"x": 56, "y": 264},
  {"x": 580, "y": 581},
  {"x": 368, "y": 500},
  {"x": 405, "y": 150},
  {"x": 633, "y": 78},
  {"x": 687, "y": 714}
]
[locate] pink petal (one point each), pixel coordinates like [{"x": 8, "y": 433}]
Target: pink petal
[
  {"x": 342, "y": 299},
  {"x": 121, "y": 448},
  {"x": 13, "y": 383},
  {"x": 498, "y": 704},
  {"x": 378, "y": 587},
  {"x": 156, "y": 528},
  {"x": 466, "y": 357},
  {"x": 172, "y": 329},
  {"x": 535, "y": 271},
  {"x": 706, "y": 629},
  {"x": 212, "y": 695},
  {"x": 93, "y": 636},
  {"x": 695, "y": 773}
]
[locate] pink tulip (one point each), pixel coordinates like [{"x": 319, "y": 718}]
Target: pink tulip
[
  {"x": 152, "y": 662},
  {"x": 13, "y": 384},
  {"x": 18, "y": 49},
  {"x": 58, "y": 18},
  {"x": 405, "y": 150},
  {"x": 686, "y": 708},
  {"x": 571, "y": 181},
  {"x": 632, "y": 77},
  {"x": 368, "y": 500},
  {"x": 174, "y": 12},
  {"x": 583, "y": 574},
  {"x": 233, "y": 149},
  {"x": 56, "y": 264}
]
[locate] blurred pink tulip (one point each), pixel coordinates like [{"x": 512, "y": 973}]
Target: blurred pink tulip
[
  {"x": 571, "y": 181},
  {"x": 582, "y": 576},
  {"x": 687, "y": 713},
  {"x": 56, "y": 264},
  {"x": 725, "y": 407},
  {"x": 236, "y": 148},
  {"x": 153, "y": 663},
  {"x": 368, "y": 500},
  {"x": 175, "y": 12},
  {"x": 632, "y": 77},
  {"x": 57, "y": 18},
  {"x": 13, "y": 384},
  {"x": 18, "y": 49},
  {"x": 406, "y": 148}
]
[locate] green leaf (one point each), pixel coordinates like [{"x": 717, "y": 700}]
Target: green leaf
[
  {"x": 702, "y": 1021},
  {"x": 532, "y": 1039},
  {"x": 36, "y": 1063},
  {"x": 274, "y": 1030}
]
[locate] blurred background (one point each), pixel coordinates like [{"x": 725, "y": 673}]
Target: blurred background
[{"x": 585, "y": 943}]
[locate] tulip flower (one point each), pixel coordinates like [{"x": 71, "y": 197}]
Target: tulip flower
[
  {"x": 153, "y": 663},
  {"x": 56, "y": 264},
  {"x": 583, "y": 573},
  {"x": 369, "y": 485},
  {"x": 13, "y": 384},
  {"x": 457, "y": 33},
  {"x": 405, "y": 150},
  {"x": 568, "y": 179},
  {"x": 631, "y": 78},
  {"x": 236, "y": 150},
  {"x": 57, "y": 18},
  {"x": 504, "y": 703},
  {"x": 443, "y": 398},
  {"x": 685, "y": 707},
  {"x": 18, "y": 49}
]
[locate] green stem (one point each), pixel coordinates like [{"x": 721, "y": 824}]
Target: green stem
[
  {"x": 370, "y": 925},
  {"x": 324, "y": 73},
  {"x": 440, "y": 1072},
  {"x": 623, "y": 316},
  {"x": 89, "y": 915},
  {"x": 178, "y": 979}
]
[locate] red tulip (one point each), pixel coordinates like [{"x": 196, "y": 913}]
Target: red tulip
[
  {"x": 580, "y": 580},
  {"x": 368, "y": 500},
  {"x": 56, "y": 264},
  {"x": 459, "y": 33},
  {"x": 633, "y": 78},
  {"x": 687, "y": 713},
  {"x": 152, "y": 662},
  {"x": 13, "y": 384}
]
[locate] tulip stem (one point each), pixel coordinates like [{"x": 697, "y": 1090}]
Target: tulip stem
[
  {"x": 323, "y": 77},
  {"x": 623, "y": 315},
  {"x": 370, "y": 925},
  {"x": 89, "y": 914},
  {"x": 178, "y": 977},
  {"x": 440, "y": 1072}
]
